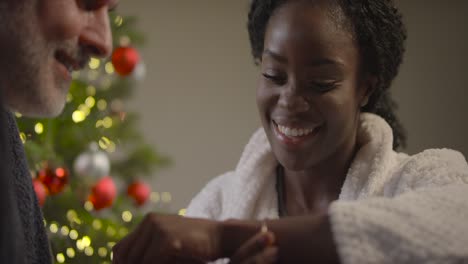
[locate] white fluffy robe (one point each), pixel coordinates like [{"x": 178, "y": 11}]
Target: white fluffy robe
[{"x": 393, "y": 208}]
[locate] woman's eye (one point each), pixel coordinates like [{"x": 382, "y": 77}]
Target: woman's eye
[
  {"x": 322, "y": 87},
  {"x": 94, "y": 4},
  {"x": 276, "y": 78}
]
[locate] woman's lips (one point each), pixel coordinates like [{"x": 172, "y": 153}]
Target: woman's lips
[{"x": 294, "y": 135}]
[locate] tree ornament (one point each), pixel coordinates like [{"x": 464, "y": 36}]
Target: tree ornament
[
  {"x": 139, "y": 73},
  {"x": 54, "y": 179},
  {"x": 125, "y": 60},
  {"x": 139, "y": 191},
  {"x": 103, "y": 193},
  {"x": 92, "y": 163},
  {"x": 40, "y": 190}
]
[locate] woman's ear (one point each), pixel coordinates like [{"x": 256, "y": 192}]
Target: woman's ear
[{"x": 369, "y": 86}]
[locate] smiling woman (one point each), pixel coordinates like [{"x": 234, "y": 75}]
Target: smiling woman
[{"x": 324, "y": 169}]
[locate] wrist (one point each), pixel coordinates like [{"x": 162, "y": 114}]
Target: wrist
[{"x": 233, "y": 233}]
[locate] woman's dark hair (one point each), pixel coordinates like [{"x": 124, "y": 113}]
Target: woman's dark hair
[{"x": 379, "y": 31}]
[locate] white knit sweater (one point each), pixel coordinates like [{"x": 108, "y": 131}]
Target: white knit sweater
[{"x": 393, "y": 208}]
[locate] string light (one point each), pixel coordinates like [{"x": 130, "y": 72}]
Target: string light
[
  {"x": 65, "y": 230},
  {"x": 155, "y": 197},
  {"x": 71, "y": 215},
  {"x": 86, "y": 241},
  {"x": 73, "y": 234},
  {"x": 89, "y": 251},
  {"x": 107, "y": 122},
  {"x": 90, "y": 102},
  {"x": 18, "y": 115},
  {"x": 97, "y": 224},
  {"x": 79, "y": 245},
  {"x": 23, "y": 137},
  {"x": 71, "y": 252},
  {"x": 110, "y": 231},
  {"x": 53, "y": 228},
  {"x": 69, "y": 97},
  {"x": 91, "y": 90},
  {"x": 39, "y": 128},
  {"x": 166, "y": 197},
  {"x": 124, "y": 41},
  {"x": 94, "y": 63},
  {"x": 104, "y": 143},
  {"x": 60, "y": 258},
  {"x": 182, "y": 212},
  {"x": 127, "y": 216},
  {"x": 88, "y": 206},
  {"x": 78, "y": 116},
  {"x": 102, "y": 252},
  {"x": 102, "y": 105},
  {"x": 109, "y": 68},
  {"x": 110, "y": 244},
  {"x": 118, "y": 21},
  {"x": 85, "y": 109}
]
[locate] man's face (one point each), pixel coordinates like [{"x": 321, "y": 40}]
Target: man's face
[{"x": 43, "y": 41}]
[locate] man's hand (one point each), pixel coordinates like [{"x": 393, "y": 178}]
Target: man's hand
[{"x": 169, "y": 239}]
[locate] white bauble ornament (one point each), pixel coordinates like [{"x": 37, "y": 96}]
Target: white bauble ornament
[{"x": 92, "y": 163}]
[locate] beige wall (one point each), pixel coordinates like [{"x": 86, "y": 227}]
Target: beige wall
[{"x": 197, "y": 102}]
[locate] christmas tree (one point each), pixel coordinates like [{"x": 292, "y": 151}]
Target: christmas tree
[{"x": 87, "y": 164}]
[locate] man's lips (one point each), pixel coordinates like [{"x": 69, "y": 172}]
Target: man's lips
[{"x": 68, "y": 61}]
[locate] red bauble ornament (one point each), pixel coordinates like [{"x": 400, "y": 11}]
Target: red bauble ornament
[
  {"x": 125, "y": 59},
  {"x": 40, "y": 190},
  {"x": 103, "y": 193},
  {"x": 139, "y": 191},
  {"x": 54, "y": 179}
]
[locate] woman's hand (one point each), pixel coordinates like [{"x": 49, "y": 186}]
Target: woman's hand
[
  {"x": 169, "y": 239},
  {"x": 259, "y": 249}
]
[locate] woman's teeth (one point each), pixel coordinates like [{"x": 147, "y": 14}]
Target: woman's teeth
[{"x": 294, "y": 132}]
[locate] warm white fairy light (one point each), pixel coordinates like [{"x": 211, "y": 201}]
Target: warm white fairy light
[
  {"x": 109, "y": 68},
  {"x": 73, "y": 234},
  {"x": 97, "y": 224},
  {"x": 39, "y": 128},
  {"x": 127, "y": 216},
  {"x": 102, "y": 252},
  {"x": 182, "y": 212},
  {"x": 90, "y": 102},
  {"x": 94, "y": 63},
  {"x": 60, "y": 258},
  {"x": 91, "y": 90},
  {"x": 118, "y": 21},
  {"x": 71, "y": 252},
  {"x": 78, "y": 116}
]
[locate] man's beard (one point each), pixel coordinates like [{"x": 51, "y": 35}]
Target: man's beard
[{"x": 22, "y": 71}]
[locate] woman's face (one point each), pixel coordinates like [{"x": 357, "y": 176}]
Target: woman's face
[{"x": 310, "y": 90}]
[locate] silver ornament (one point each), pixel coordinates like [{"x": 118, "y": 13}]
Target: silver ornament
[{"x": 92, "y": 163}]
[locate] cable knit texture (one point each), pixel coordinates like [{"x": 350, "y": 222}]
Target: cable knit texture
[
  {"x": 393, "y": 208},
  {"x": 35, "y": 237}
]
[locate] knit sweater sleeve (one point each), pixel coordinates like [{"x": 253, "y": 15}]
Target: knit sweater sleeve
[
  {"x": 425, "y": 222},
  {"x": 208, "y": 203}
]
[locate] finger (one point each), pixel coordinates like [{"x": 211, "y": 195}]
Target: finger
[
  {"x": 268, "y": 256},
  {"x": 138, "y": 248},
  {"x": 253, "y": 246},
  {"x": 122, "y": 249}
]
